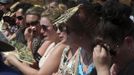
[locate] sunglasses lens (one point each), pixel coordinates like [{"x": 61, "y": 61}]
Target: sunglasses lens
[
  {"x": 19, "y": 17},
  {"x": 63, "y": 28},
  {"x": 32, "y": 23},
  {"x": 44, "y": 27}
]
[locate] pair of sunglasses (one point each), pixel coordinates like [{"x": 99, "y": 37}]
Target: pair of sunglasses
[
  {"x": 61, "y": 28},
  {"x": 34, "y": 23},
  {"x": 19, "y": 17}
]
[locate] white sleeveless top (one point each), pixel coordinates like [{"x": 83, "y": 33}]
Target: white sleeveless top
[{"x": 46, "y": 54}]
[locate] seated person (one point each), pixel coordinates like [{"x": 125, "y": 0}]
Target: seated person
[{"x": 4, "y": 69}]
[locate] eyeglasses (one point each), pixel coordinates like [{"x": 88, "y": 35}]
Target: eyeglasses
[
  {"x": 61, "y": 28},
  {"x": 19, "y": 17},
  {"x": 44, "y": 27},
  {"x": 34, "y": 23}
]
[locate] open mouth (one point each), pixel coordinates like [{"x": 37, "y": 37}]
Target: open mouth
[
  {"x": 61, "y": 37},
  {"x": 44, "y": 36}
]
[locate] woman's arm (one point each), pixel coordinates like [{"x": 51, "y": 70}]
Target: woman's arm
[
  {"x": 25, "y": 69},
  {"x": 51, "y": 64},
  {"x": 44, "y": 47},
  {"x": 12, "y": 37}
]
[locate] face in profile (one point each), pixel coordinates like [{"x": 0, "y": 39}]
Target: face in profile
[
  {"x": 62, "y": 32},
  {"x": 19, "y": 19},
  {"x": 47, "y": 30}
]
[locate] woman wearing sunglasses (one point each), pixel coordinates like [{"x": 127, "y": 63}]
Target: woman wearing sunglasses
[
  {"x": 77, "y": 29},
  {"x": 50, "y": 49}
]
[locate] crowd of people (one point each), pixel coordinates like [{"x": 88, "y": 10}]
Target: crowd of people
[{"x": 77, "y": 38}]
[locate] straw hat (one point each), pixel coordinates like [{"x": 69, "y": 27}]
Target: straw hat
[{"x": 66, "y": 16}]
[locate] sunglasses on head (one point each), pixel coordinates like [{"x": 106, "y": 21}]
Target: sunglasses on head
[
  {"x": 19, "y": 17},
  {"x": 34, "y": 23}
]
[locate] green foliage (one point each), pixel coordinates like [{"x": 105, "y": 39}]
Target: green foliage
[
  {"x": 23, "y": 53},
  {"x": 17, "y": 45}
]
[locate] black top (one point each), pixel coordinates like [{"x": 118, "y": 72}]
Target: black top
[
  {"x": 128, "y": 70},
  {"x": 20, "y": 35}
]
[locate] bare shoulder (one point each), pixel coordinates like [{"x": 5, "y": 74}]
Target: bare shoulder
[
  {"x": 46, "y": 42},
  {"x": 59, "y": 49}
]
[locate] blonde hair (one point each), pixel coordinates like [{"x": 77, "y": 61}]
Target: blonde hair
[
  {"x": 35, "y": 11},
  {"x": 54, "y": 13},
  {"x": 62, "y": 7}
]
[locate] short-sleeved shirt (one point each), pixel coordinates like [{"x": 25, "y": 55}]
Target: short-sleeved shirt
[{"x": 20, "y": 35}]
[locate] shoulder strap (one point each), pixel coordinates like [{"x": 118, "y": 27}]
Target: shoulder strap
[
  {"x": 78, "y": 60},
  {"x": 64, "y": 56}
]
